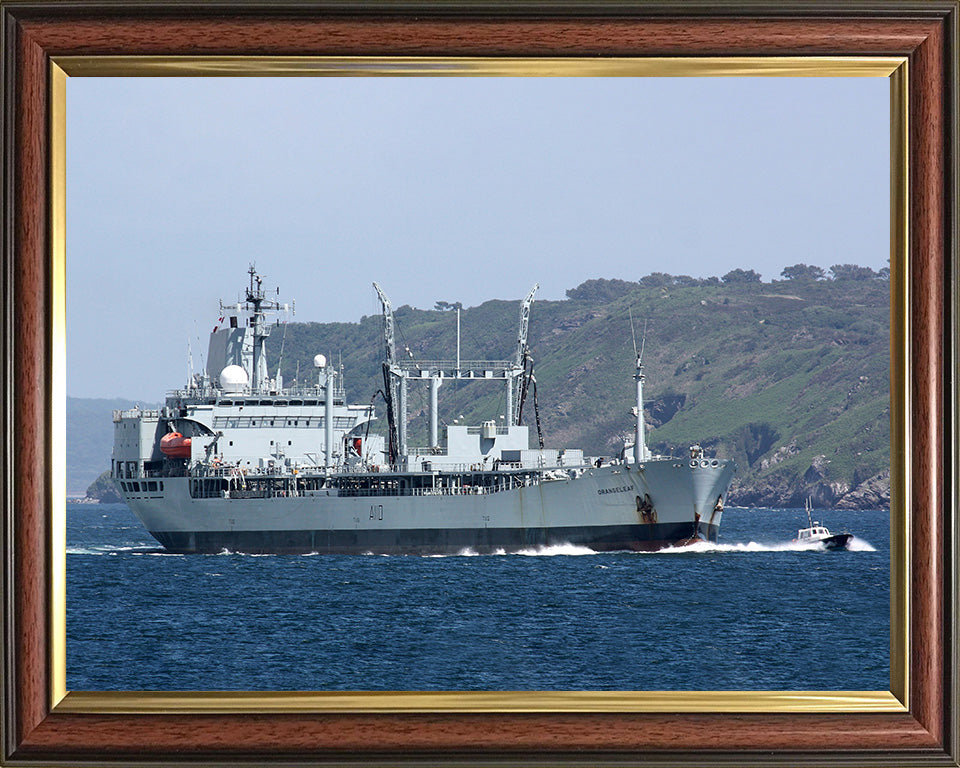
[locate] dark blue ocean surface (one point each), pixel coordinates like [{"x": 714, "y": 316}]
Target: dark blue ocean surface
[{"x": 753, "y": 612}]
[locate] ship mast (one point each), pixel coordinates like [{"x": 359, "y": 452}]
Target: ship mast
[
  {"x": 258, "y": 305},
  {"x": 640, "y": 438}
]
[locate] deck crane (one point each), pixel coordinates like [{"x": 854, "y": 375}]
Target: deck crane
[
  {"x": 524, "y": 325},
  {"x": 522, "y": 358},
  {"x": 393, "y": 382},
  {"x": 516, "y": 374}
]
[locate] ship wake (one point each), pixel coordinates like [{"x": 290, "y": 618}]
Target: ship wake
[
  {"x": 115, "y": 549},
  {"x": 708, "y": 547}
]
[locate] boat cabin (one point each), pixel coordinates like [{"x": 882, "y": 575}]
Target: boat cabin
[{"x": 812, "y": 533}]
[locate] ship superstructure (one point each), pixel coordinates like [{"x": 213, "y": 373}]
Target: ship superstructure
[{"x": 237, "y": 461}]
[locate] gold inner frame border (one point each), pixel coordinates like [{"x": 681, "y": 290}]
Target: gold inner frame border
[{"x": 228, "y": 702}]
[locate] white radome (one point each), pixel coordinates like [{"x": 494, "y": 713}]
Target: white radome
[
  {"x": 233, "y": 379},
  {"x": 320, "y": 361}
]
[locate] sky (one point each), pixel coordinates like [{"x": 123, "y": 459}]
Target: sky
[{"x": 452, "y": 189}]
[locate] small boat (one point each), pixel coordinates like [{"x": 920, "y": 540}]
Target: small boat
[{"x": 816, "y": 533}]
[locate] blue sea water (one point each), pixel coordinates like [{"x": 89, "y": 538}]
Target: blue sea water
[{"x": 753, "y": 612}]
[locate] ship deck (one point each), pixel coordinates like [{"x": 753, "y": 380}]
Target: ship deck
[{"x": 233, "y": 483}]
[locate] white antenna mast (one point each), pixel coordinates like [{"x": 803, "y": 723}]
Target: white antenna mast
[
  {"x": 643, "y": 342},
  {"x": 639, "y": 443},
  {"x": 189, "y": 365}
]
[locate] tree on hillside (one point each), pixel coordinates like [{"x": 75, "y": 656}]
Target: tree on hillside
[
  {"x": 656, "y": 280},
  {"x": 601, "y": 290},
  {"x": 851, "y": 272},
  {"x": 685, "y": 280},
  {"x": 741, "y": 276},
  {"x": 803, "y": 272}
]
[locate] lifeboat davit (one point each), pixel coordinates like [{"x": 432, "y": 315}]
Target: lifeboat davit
[{"x": 175, "y": 445}]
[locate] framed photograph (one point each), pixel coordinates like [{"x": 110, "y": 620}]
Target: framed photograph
[{"x": 46, "y": 43}]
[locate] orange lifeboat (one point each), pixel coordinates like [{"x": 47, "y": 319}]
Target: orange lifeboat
[{"x": 175, "y": 445}]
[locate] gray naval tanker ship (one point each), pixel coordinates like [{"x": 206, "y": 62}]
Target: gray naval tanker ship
[{"x": 236, "y": 461}]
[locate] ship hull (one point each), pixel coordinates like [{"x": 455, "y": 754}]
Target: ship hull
[
  {"x": 449, "y": 541},
  {"x": 603, "y": 509}
]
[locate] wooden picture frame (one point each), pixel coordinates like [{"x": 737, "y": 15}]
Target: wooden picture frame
[{"x": 917, "y": 723}]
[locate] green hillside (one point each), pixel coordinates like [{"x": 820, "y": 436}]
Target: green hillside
[{"x": 790, "y": 378}]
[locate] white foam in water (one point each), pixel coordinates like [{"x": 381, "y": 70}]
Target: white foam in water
[
  {"x": 461, "y": 553},
  {"x": 702, "y": 547},
  {"x": 230, "y": 552},
  {"x": 699, "y": 547},
  {"x": 556, "y": 549},
  {"x": 112, "y": 549},
  {"x": 466, "y": 552}
]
